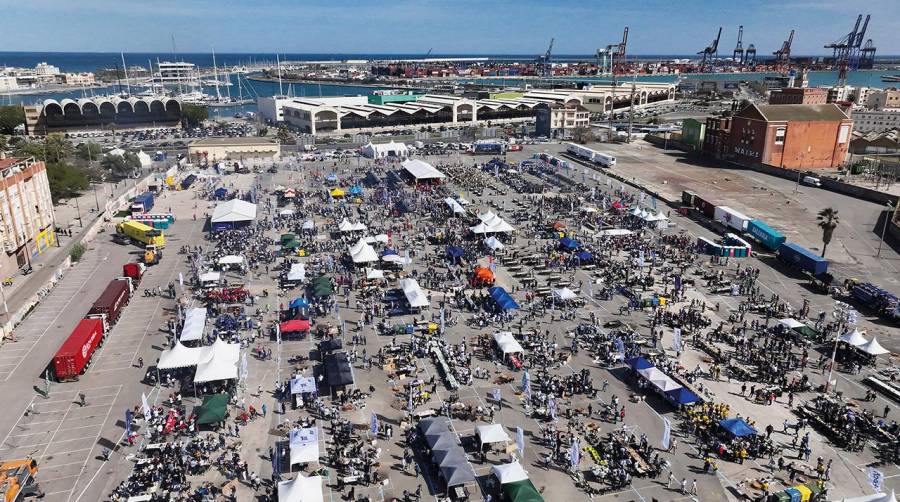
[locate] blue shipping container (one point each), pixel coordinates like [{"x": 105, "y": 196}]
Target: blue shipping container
[
  {"x": 766, "y": 235},
  {"x": 798, "y": 256},
  {"x": 145, "y": 199}
]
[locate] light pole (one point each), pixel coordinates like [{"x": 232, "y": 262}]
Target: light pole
[
  {"x": 800, "y": 169},
  {"x": 887, "y": 219}
]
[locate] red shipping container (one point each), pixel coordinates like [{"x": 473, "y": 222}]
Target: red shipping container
[
  {"x": 75, "y": 353},
  {"x": 113, "y": 299}
]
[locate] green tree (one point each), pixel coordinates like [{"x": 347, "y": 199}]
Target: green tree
[
  {"x": 828, "y": 220},
  {"x": 582, "y": 135},
  {"x": 194, "y": 115},
  {"x": 58, "y": 147},
  {"x": 284, "y": 136},
  {"x": 65, "y": 181},
  {"x": 116, "y": 166},
  {"x": 31, "y": 149},
  {"x": 11, "y": 117},
  {"x": 4, "y": 142},
  {"x": 89, "y": 151}
]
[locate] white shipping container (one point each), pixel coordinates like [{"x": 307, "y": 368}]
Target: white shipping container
[{"x": 731, "y": 218}]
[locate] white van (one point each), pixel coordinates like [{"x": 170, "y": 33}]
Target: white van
[{"x": 812, "y": 181}]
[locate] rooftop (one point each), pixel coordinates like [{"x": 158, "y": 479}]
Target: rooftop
[
  {"x": 800, "y": 113},
  {"x": 249, "y": 141}
]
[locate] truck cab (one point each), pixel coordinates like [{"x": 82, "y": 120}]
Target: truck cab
[
  {"x": 17, "y": 479},
  {"x": 152, "y": 255}
]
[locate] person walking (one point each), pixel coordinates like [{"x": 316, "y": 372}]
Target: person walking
[
  {"x": 671, "y": 480},
  {"x": 81, "y": 399},
  {"x": 694, "y": 487},
  {"x": 684, "y": 486}
]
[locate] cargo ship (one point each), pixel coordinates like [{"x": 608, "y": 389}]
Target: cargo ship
[{"x": 890, "y": 78}]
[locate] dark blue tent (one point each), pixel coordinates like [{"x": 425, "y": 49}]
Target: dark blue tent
[
  {"x": 584, "y": 256},
  {"x": 737, "y": 427},
  {"x": 503, "y": 299},
  {"x": 682, "y": 396},
  {"x": 299, "y": 303},
  {"x": 569, "y": 243},
  {"x": 638, "y": 363},
  {"x": 221, "y": 193},
  {"x": 388, "y": 251},
  {"x": 455, "y": 252}
]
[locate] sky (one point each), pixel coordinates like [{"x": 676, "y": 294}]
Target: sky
[{"x": 447, "y": 27}]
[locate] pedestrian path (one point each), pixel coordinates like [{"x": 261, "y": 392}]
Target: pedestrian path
[{"x": 44, "y": 318}]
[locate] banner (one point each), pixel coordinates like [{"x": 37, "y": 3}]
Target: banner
[
  {"x": 575, "y": 452},
  {"x": 442, "y": 319},
  {"x": 526, "y": 383},
  {"x": 653, "y": 203},
  {"x": 145, "y": 408},
  {"x": 620, "y": 345},
  {"x": 278, "y": 333},
  {"x": 495, "y": 394},
  {"x": 677, "y": 339},
  {"x": 244, "y": 369},
  {"x": 373, "y": 427},
  {"x": 520, "y": 440},
  {"x": 667, "y": 433},
  {"x": 876, "y": 479},
  {"x": 302, "y": 384},
  {"x": 551, "y": 405},
  {"x": 129, "y": 416},
  {"x": 181, "y": 280}
]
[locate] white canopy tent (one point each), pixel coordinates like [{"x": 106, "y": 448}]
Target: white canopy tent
[
  {"x": 308, "y": 225},
  {"x": 208, "y": 278},
  {"x": 301, "y": 489},
  {"x": 493, "y": 243},
  {"x": 493, "y": 433},
  {"x": 414, "y": 293},
  {"x": 878, "y": 497},
  {"x": 384, "y": 150},
  {"x": 507, "y": 343},
  {"x": 304, "y": 444},
  {"x": 454, "y": 206},
  {"x": 659, "y": 379},
  {"x": 179, "y": 356},
  {"x": 346, "y": 226},
  {"x": 234, "y": 210},
  {"x": 223, "y": 365},
  {"x": 509, "y": 473},
  {"x": 374, "y": 273},
  {"x": 146, "y": 160},
  {"x": 297, "y": 272},
  {"x": 612, "y": 232},
  {"x": 790, "y": 323},
  {"x": 194, "y": 324},
  {"x": 873, "y": 348},
  {"x": 363, "y": 252},
  {"x": 359, "y": 226},
  {"x": 421, "y": 170},
  {"x": 854, "y": 338},
  {"x": 383, "y": 238},
  {"x": 564, "y": 294},
  {"x": 231, "y": 260},
  {"x": 286, "y": 212}
]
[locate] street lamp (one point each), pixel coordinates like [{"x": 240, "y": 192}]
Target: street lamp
[
  {"x": 800, "y": 169},
  {"x": 887, "y": 219}
]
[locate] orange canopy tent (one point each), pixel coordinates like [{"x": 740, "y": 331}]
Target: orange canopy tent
[{"x": 484, "y": 274}]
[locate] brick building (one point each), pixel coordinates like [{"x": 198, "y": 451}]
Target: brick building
[
  {"x": 790, "y": 136},
  {"x": 26, "y": 213},
  {"x": 799, "y": 96}
]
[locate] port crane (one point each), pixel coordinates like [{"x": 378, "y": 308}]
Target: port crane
[
  {"x": 543, "y": 62},
  {"x": 783, "y": 55},
  {"x": 613, "y": 55},
  {"x": 738, "y": 56},
  {"x": 750, "y": 55},
  {"x": 849, "y": 53},
  {"x": 711, "y": 52}
]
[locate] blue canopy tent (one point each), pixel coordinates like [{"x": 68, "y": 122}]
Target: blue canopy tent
[
  {"x": 682, "y": 396},
  {"x": 585, "y": 256},
  {"x": 638, "y": 363},
  {"x": 503, "y": 299},
  {"x": 388, "y": 251},
  {"x": 569, "y": 243},
  {"x": 355, "y": 190},
  {"x": 220, "y": 193},
  {"x": 299, "y": 303},
  {"x": 455, "y": 251},
  {"x": 737, "y": 427},
  {"x": 331, "y": 177}
]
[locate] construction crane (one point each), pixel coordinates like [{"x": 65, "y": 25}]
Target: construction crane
[
  {"x": 738, "y": 56},
  {"x": 613, "y": 55},
  {"x": 847, "y": 52},
  {"x": 543, "y": 62},
  {"x": 783, "y": 55},
  {"x": 711, "y": 52},
  {"x": 428, "y": 53},
  {"x": 750, "y": 55}
]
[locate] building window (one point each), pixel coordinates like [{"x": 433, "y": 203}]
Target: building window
[{"x": 779, "y": 135}]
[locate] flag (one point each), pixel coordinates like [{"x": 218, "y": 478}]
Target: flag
[
  {"x": 876, "y": 479},
  {"x": 373, "y": 427},
  {"x": 244, "y": 369},
  {"x": 620, "y": 345},
  {"x": 442, "y": 319},
  {"x": 653, "y": 202},
  {"x": 129, "y": 416},
  {"x": 495, "y": 393},
  {"x": 520, "y": 440},
  {"x": 591, "y": 289},
  {"x": 181, "y": 280},
  {"x": 145, "y": 408},
  {"x": 409, "y": 404},
  {"x": 678, "y": 283},
  {"x": 526, "y": 382},
  {"x": 667, "y": 433},
  {"x": 574, "y": 452},
  {"x": 551, "y": 406},
  {"x": 278, "y": 333},
  {"x": 677, "y": 339}
]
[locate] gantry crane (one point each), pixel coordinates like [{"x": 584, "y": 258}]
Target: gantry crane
[
  {"x": 613, "y": 55},
  {"x": 783, "y": 55},
  {"x": 711, "y": 52},
  {"x": 738, "y": 56},
  {"x": 750, "y": 55},
  {"x": 847, "y": 51},
  {"x": 543, "y": 63}
]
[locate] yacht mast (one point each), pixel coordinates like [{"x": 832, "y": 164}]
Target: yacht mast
[
  {"x": 278, "y": 61},
  {"x": 216, "y": 76},
  {"x": 125, "y": 69}
]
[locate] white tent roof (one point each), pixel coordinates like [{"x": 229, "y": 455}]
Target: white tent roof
[
  {"x": 487, "y": 216},
  {"x": 116, "y": 151},
  {"x": 301, "y": 489},
  {"x": 374, "y": 273},
  {"x": 382, "y": 238},
  {"x": 790, "y": 323},
  {"x": 308, "y": 225},
  {"x": 363, "y": 252},
  {"x": 194, "y": 324},
  {"x": 304, "y": 445},
  {"x": 210, "y": 277},
  {"x": 564, "y": 294},
  {"x": 222, "y": 365},
  {"x": 507, "y": 343},
  {"x": 359, "y": 226},
  {"x": 286, "y": 212},
  {"x": 509, "y": 473},
  {"x": 492, "y": 433},
  {"x": 854, "y": 338},
  {"x": 414, "y": 294},
  {"x": 493, "y": 243},
  {"x": 454, "y": 206},
  {"x": 179, "y": 356},
  {"x": 381, "y": 150},
  {"x": 422, "y": 170},
  {"x": 234, "y": 210},
  {"x": 231, "y": 260},
  {"x": 659, "y": 379},
  {"x": 874, "y": 348},
  {"x": 615, "y": 232},
  {"x": 146, "y": 160},
  {"x": 345, "y": 225},
  {"x": 297, "y": 272},
  {"x": 493, "y": 225},
  {"x": 878, "y": 497}
]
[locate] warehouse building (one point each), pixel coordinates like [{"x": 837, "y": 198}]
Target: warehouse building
[
  {"x": 790, "y": 136},
  {"x": 601, "y": 98},
  {"x": 239, "y": 148},
  {"x": 102, "y": 112},
  {"x": 556, "y": 120},
  {"x": 27, "y": 223}
]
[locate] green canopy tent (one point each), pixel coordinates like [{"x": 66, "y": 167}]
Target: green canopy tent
[
  {"x": 287, "y": 238},
  {"x": 321, "y": 286},
  {"x": 213, "y": 409},
  {"x": 522, "y": 491}
]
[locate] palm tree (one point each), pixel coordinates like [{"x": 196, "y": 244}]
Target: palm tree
[{"x": 828, "y": 220}]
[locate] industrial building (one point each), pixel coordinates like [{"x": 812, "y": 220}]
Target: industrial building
[
  {"x": 799, "y": 96},
  {"x": 556, "y": 120},
  {"x": 789, "y": 136},
  {"x": 876, "y": 121},
  {"x": 238, "y": 148},
  {"x": 875, "y": 142},
  {"x": 602, "y": 98},
  {"x": 883, "y": 99},
  {"x": 102, "y": 112},
  {"x": 27, "y": 223}
]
